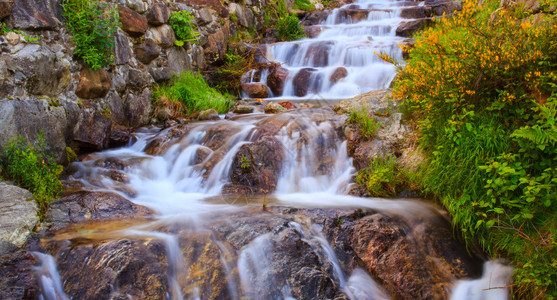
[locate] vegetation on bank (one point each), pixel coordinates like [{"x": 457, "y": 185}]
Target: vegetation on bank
[
  {"x": 287, "y": 24},
  {"x": 30, "y": 166},
  {"x": 92, "y": 25},
  {"x": 184, "y": 28},
  {"x": 481, "y": 86},
  {"x": 187, "y": 94}
]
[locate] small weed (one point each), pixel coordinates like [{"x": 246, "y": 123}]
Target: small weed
[
  {"x": 245, "y": 162},
  {"x": 367, "y": 124}
]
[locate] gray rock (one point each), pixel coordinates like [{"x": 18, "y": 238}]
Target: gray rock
[
  {"x": 178, "y": 60},
  {"x": 92, "y": 133},
  {"x": 244, "y": 15},
  {"x": 161, "y": 74},
  {"x": 205, "y": 16},
  {"x": 138, "y": 108},
  {"x": 7, "y": 248},
  {"x": 163, "y": 35},
  {"x": 243, "y": 109},
  {"x": 45, "y": 74},
  {"x": 122, "y": 51},
  {"x": 138, "y": 79},
  {"x": 147, "y": 51},
  {"x": 208, "y": 114},
  {"x": 137, "y": 5},
  {"x": 35, "y": 14},
  {"x": 27, "y": 118},
  {"x": 18, "y": 216},
  {"x": 117, "y": 108},
  {"x": 158, "y": 14}
]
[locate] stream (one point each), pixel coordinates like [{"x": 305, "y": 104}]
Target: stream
[{"x": 257, "y": 206}]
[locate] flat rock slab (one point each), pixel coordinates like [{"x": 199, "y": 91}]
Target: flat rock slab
[{"x": 18, "y": 215}]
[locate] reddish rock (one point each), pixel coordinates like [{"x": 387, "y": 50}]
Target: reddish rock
[
  {"x": 256, "y": 90},
  {"x": 313, "y": 31},
  {"x": 318, "y": 53},
  {"x": 287, "y": 105},
  {"x": 147, "y": 51},
  {"x": 5, "y": 8},
  {"x": 93, "y": 84},
  {"x": 338, "y": 74},
  {"x": 215, "y": 49},
  {"x": 302, "y": 81},
  {"x": 158, "y": 14},
  {"x": 407, "y": 29},
  {"x": 93, "y": 131},
  {"x": 276, "y": 79},
  {"x": 132, "y": 23}
]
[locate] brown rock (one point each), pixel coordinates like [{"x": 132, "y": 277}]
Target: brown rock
[
  {"x": 302, "y": 81},
  {"x": 407, "y": 29},
  {"x": 276, "y": 79},
  {"x": 214, "y": 4},
  {"x": 318, "y": 53},
  {"x": 313, "y": 31},
  {"x": 217, "y": 42},
  {"x": 158, "y": 14},
  {"x": 138, "y": 108},
  {"x": 416, "y": 12},
  {"x": 256, "y": 90},
  {"x": 5, "y": 8},
  {"x": 93, "y": 84},
  {"x": 351, "y": 15},
  {"x": 147, "y": 51},
  {"x": 315, "y": 18},
  {"x": 287, "y": 104},
  {"x": 93, "y": 131},
  {"x": 132, "y": 23},
  {"x": 164, "y": 35},
  {"x": 257, "y": 165},
  {"x": 34, "y": 14},
  {"x": 208, "y": 114},
  {"x": 119, "y": 136},
  {"x": 274, "y": 108},
  {"x": 338, "y": 74},
  {"x": 243, "y": 109}
]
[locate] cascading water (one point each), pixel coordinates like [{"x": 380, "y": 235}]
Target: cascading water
[{"x": 348, "y": 40}]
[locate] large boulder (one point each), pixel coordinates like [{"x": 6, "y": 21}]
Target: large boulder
[
  {"x": 158, "y": 14},
  {"x": 256, "y": 90},
  {"x": 18, "y": 215},
  {"x": 318, "y": 53},
  {"x": 28, "y": 118},
  {"x": 93, "y": 84},
  {"x": 132, "y": 22},
  {"x": 276, "y": 79},
  {"x": 302, "y": 81},
  {"x": 92, "y": 133},
  {"x": 407, "y": 29},
  {"x": 41, "y": 70},
  {"x": 35, "y": 14}
]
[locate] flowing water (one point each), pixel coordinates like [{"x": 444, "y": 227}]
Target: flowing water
[
  {"x": 349, "y": 38},
  {"x": 188, "y": 174}
]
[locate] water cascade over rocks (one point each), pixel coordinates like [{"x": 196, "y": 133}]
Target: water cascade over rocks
[{"x": 337, "y": 59}]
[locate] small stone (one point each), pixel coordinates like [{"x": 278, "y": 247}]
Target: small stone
[
  {"x": 256, "y": 90},
  {"x": 14, "y": 38},
  {"x": 287, "y": 104},
  {"x": 243, "y": 109},
  {"x": 93, "y": 84},
  {"x": 137, "y": 5},
  {"x": 209, "y": 114},
  {"x": 338, "y": 74},
  {"x": 274, "y": 108}
]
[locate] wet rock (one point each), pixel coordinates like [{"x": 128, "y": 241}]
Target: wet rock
[
  {"x": 315, "y": 18},
  {"x": 93, "y": 84},
  {"x": 35, "y": 14},
  {"x": 160, "y": 144},
  {"x": 407, "y": 29},
  {"x": 158, "y": 14},
  {"x": 5, "y": 8},
  {"x": 18, "y": 215},
  {"x": 138, "y": 108},
  {"x": 201, "y": 155},
  {"x": 163, "y": 35},
  {"x": 302, "y": 81},
  {"x": 257, "y": 165},
  {"x": 17, "y": 276},
  {"x": 338, "y": 74},
  {"x": 132, "y": 23},
  {"x": 147, "y": 51},
  {"x": 365, "y": 152},
  {"x": 313, "y": 31},
  {"x": 45, "y": 73},
  {"x": 391, "y": 251},
  {"x": 119, "y": 136},
  {"x": 415, "y": 12},
  {"x": 243, "y": 109},
  {"x": 318, "y": 53},
  {"x": 92, "y": 133},
  {"x": 274, "y": 108},
  {"x": 122, "y": 50},
  {"x": 351, "y": 15},
  {"x": 256, "y": 90},
  {"x": 209, "y": 114},
  {"x": 93, "y": 206},
  {"x": 287, "y": 104},
  {"x": 276, "y": 79},
  {"x": 27, "y": 118}
]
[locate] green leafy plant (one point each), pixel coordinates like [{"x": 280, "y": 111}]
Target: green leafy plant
[
  {"x": 245, "y": 162},
  {"x": 289, "y": 28},
  {"x": 30, "y": 166},
  {"x": 184, "y": 28},
  {"x": 381, "y": 178},
  {"x": 367, "y": 124},
  {"x": 189, "y": 94},
  {"x": 303, "y": 5},
  {"x": 4, "y": 30},
  {"x": 92, "y": 25}
]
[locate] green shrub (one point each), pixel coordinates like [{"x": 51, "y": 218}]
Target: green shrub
[
  {"x": 289, "y": 28},
  {"x": 92, "y": 25},
  {"x": 303, "y": 5},
  {"x": 185, "y": 30},
  {"x": 189, "y": 94},
  {"x": 367, "y": 124},
  {"x": 381, "y": 178},
  {"x": 481, "y": 88},
  {"x": 31, "y": 167}
]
